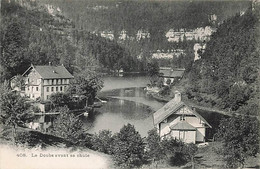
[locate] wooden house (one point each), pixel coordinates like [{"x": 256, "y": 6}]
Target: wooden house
[
  {"x": 170, "y": 74},
  {"x": 178, "y": 120}
]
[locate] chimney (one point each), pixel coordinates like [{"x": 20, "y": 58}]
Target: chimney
[{"x": 177, "y": 96}]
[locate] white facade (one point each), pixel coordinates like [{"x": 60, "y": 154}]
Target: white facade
[
  {"x": 39, "y": 87},
  {"x": 169, "y": 54},
  {"x": 142, "y": 34},
  {"x": 193, "y": 136},
  {"x": 196, "y": 48},
  {"x": 177, "y": 120},
  {"x": 108, "y": 35},
  {"x": 123, "y": 35},
  {"x": 199, "y": 34}
]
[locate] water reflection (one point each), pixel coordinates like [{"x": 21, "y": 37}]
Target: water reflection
[
  {"x": 131, "y": 105},
  {"x": 125, "y": 105},
  {"x": 117, "y": 113}
]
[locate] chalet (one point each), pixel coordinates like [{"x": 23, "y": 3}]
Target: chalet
[
  {"x": 42, "y": 81},
  {"x": 171, "y": 74},
  {"x": 176, "y": 119}
]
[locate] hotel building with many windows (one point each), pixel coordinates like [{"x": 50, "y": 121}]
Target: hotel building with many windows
[{"x": 42, "y": 81}]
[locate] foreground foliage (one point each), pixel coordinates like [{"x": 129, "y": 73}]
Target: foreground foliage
[
  {"x": 67, "y": 126},
  {"x": 240, "y": 138},
  {"x": 13, "y": 111}
]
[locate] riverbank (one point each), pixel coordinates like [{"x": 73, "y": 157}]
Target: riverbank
[{"x": 165, "y": 99}]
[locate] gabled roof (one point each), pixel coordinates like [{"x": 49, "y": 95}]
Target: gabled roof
[
  {"x": 170, "y": 108},
  {"x": 172, "y": 72},
  {"x": 51, "y": 72},
  {"x": 182, "y": 125},
  {"x": 166, "y": 111}
]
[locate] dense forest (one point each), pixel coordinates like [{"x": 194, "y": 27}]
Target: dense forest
[
  {"x": 228, "y": 70},
  {"x": 30, "y": 35}
]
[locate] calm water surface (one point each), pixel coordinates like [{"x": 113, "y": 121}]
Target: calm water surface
[{"x": 127, "y": 103}]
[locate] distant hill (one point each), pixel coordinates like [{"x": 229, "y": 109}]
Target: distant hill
[
  {"x": 229, "y": 67},
  {"x": 155, "y": 16}
]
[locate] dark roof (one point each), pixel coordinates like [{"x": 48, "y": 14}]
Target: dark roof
[
  {"x": 182, "y": 125},
  {"x": 172, "y": 72},
  {"x": 51, "y": 72},
  {"x": 170, "y": 108},
  {"x": 166, "y": 111}
]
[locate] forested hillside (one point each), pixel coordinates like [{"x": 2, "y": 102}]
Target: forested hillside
[
  {"x": 155, "y": 16},
  {"x": 30, "y": 35},
  {"x": 228, "y": 70}
]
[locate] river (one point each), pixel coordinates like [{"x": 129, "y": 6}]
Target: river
[{"x": 127, "y": 103}]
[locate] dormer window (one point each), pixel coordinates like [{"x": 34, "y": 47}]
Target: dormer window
[{"x": 182, "y": 117}]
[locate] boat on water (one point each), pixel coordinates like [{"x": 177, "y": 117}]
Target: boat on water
[
  {"x": 85, "y": 114},
  {"x": 98, "y": 102}
]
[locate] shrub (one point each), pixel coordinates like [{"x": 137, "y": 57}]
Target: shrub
[
  {"x": 67, "y": 126},
  {"x": 155, "y": 151},
  {"x": 102, "y": 141},
  {"x": 128, "y": 147}
]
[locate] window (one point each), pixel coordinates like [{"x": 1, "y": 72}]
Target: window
[
  {"x": 57, "y": 89},
  {"x": 32, "y": 89},
  {"x": 37, "y": 88},
  {"x": 182, "y": 117},
  {"x": 33, "y": 95},
  {"x": 64, "y": 88},
  {"x": 47, "y": 89},
  {"x": 52, "y": 88},
  {"x": 47, "y": 96},
  {"x": 52, "y": 82},
  {"x": 49, "y": 81},
  {"x": 61, "y": 88}
]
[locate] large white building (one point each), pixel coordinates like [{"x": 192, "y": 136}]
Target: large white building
[{"x": 42, "y": 81}]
